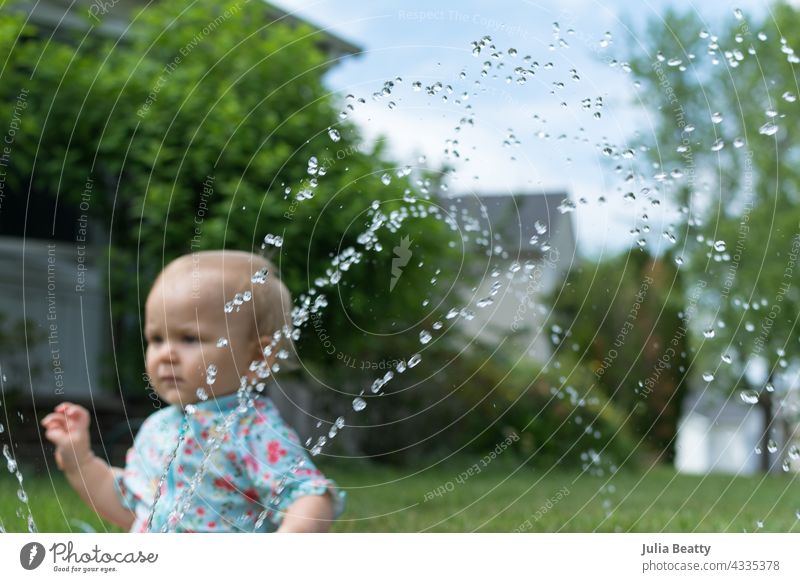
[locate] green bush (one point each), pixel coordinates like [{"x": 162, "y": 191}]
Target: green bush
[{"x": 475, "y": 402}]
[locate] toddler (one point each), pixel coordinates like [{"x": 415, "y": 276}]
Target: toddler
[{"x": 219, "y": 458}]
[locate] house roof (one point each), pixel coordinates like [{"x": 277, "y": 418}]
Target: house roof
[
  {"x": 512, "y": 218},
  {"x": 74, "y": 15}
]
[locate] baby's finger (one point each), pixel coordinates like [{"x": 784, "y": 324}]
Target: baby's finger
[
  {"x": 76, "y": 412},
  {"x": 50, "y": 421},
  {"x": 53, "y": 415}
]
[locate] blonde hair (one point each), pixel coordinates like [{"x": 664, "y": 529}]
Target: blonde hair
[{"x": 249, "y": 283}]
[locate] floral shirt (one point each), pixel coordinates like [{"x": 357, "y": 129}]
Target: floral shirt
[{"x": 253, "y": 473}]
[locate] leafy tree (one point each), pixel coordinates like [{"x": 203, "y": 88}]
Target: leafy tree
[
  {"x": 724, "y": 110},
  {"x": 198, "y": 131},
  {"x": 625, "y": 321}
]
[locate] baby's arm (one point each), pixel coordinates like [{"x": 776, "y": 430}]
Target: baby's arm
[
  {"x": 309, "y": 514},
  {"x": 94, "y": 479}
]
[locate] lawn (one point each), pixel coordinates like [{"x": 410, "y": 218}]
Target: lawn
[{"x": 387, "y": 499}]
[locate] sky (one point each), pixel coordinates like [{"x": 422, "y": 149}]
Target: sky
[{"x": 557, "y": 137}]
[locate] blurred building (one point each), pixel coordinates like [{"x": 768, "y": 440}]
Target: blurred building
[{"x": 534, "y": 247}]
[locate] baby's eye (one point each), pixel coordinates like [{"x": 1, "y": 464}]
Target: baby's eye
[
  {"x": 154, "y": 339},
  {"x": 189, "y": 339}
]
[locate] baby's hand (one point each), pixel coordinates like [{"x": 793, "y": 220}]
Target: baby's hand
[{"x": 67, "y": 427}]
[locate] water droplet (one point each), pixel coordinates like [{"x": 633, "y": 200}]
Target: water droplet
[
  {"x": 769, "y": 387},
  {"x": 718, "y": 145},
  {"x": 222, "y": 342},
  {"x": 11, "y": 464},
  {"x": 425, "y": 336},
  {"x": 22, "y": 496},
  {"x": 386, "y": 179},
  {"x": 716, "y": 117},
  {"x": 760, "y": 524},
  {"x": 485, "y": 302},
  {"x": 738, "y": 142},
  {"x": 768, "y": 128},
  {"x": 202, "y": 394},
  {"x": 789, "y": 97},
  {"x": 749, "y": 396},
  {"x": 260, "y": 277},
  {"x": 709, "y": 333},
  {"x": 211, "y": 374},
  {"x": 708, "y": 377},
  {"x": 414, "y": 360},
  {"x": 274, "y": 240},
  {"x": 737, "y": 12},
  {"x": 334, "y": 134},
  {"x": 772, "y": 446},
  {"x": 727, "y": 358},
  {"x": 720, "y": 246},
  {"x": 359, "y": 404}
]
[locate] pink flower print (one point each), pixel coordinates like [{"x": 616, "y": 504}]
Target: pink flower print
[
  {"x": 251, "y": 495},
  {"x": 275, "y": 451},
  {"x": 224, "y": 483},
  {"x": 250, "y": 462}
]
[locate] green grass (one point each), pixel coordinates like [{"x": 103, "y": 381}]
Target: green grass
[{"x": 385, "y": 499}]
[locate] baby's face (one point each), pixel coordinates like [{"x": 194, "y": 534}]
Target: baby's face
[{"x": 183, "y": 331}]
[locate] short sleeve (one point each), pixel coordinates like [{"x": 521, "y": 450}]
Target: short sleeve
[
  {"x": 302, "y": 481},
  {"x": 125, "y": 494},
  {"x": 281, "y": 470}
]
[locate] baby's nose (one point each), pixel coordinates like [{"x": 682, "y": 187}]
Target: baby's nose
[{"x": 167, "y": 351}]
